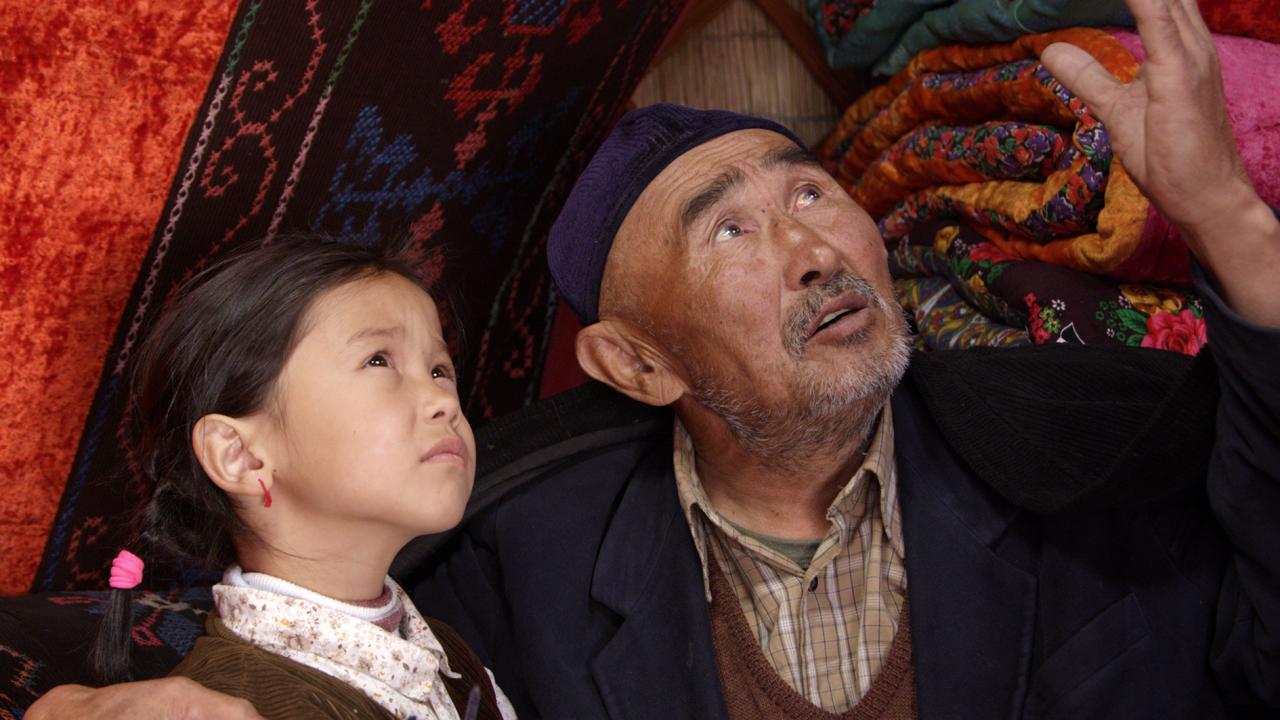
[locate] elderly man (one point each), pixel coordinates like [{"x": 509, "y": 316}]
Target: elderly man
[
  {"x": 814, "y": 536},
  {"x": 812, "y": 539}
]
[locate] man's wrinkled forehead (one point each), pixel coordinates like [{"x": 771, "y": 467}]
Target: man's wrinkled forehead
[
  {"x": 708, "y": 174},
  {"x": 714, "y": 191}
]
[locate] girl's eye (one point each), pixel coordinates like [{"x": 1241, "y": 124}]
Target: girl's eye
[
  {"x": 808, "y": 196},
  {"x": 729, "y": 231},
  {"x": 442, "y": 371},
  {"x": 378, "y": 360}
]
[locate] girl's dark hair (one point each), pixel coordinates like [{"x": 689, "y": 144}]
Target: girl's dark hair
[{"x": 219, "y": 348}]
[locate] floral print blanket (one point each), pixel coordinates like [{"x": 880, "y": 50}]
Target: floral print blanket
[
  {"x": 962, "y": 290},
  {"x": 944, "y": 320},
  {"x": 985, "y": 135},
  {"x": 1008, "y": 218}
]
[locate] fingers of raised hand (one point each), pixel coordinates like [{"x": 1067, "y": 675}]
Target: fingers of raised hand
[
  {"x": 1083, "y": 76},
  {"x": 1192, "y": 9},
  {"x": 1187, "y": 68},
  {"x": 1157, "y": 26},
  {"x": 1171, "y": 30},
  {"x": 1196, "y": 38}
]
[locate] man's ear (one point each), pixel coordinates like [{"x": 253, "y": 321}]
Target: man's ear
[
  {"x": 616, "y": 354},
  {"x": 222, "y": 445}
]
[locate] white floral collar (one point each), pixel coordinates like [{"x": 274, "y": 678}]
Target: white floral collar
[{"x": 401, "y": 673}]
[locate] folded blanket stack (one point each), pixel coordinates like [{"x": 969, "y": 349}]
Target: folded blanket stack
[
  {"x": 885, "y": 34},
  {"x": 983, "y": 170}
]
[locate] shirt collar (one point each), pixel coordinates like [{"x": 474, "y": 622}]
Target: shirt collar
[{"x": 878, "y": 466}]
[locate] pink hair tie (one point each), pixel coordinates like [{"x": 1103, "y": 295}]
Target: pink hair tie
[{"x": 126, "y": 571}]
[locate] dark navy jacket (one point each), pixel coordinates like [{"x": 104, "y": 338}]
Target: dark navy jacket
[{"x": 1143, "y": 582}]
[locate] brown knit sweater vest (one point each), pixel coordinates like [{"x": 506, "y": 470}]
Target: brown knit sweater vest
[{"x": 753, "y": 690}]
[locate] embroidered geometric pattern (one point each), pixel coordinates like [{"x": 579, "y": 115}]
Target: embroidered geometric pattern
[
  {"x": 47, "y": 638},
  {"x": 457, "y": 126}
]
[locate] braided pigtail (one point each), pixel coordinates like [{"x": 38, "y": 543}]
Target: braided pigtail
[
  {"x": 176, "y": 528},
  {"x": 109, "y": 656}
]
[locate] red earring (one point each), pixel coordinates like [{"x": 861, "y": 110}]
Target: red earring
[{"x": 266, "y": 494}]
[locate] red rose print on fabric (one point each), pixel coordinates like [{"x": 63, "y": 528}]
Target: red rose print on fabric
[{"x": 1183, "y": 332}]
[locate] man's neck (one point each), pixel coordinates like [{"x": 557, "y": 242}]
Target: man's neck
[{"x": 788, "y": 503}]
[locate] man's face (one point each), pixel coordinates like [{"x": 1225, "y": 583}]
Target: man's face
[{"x": 768, "y": 284}]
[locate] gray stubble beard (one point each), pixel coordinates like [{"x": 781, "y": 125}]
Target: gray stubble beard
[{"x": 824, "y": 411}]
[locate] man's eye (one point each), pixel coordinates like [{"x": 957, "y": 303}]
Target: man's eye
[
  {"x": 378, "y": 360},
  {"x": 729, "y": 231},
  {"x": 808, "y": 196},
  {"x": 442, "y": 371}
]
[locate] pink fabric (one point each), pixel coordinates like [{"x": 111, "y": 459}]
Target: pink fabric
[
  {"x": 126, "y": 571},
  {"x": 1251, "y": 78}
]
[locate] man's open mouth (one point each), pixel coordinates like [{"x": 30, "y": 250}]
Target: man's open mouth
[{"x": 835, "y": 310}]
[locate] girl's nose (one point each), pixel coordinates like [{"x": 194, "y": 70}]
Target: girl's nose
[{"x": 441, "y": 404}]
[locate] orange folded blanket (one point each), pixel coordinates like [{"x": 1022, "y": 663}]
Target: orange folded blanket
[{"x": 985, "y": 135}]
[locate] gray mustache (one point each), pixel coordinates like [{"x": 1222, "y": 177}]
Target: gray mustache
[{"x": 807, "y": 308}]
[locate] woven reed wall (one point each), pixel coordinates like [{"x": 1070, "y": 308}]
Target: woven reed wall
[{"x": 739, "y": 61}]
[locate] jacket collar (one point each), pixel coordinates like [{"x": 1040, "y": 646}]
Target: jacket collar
[
  {"x": 969, "y": 577},
  {"x": 661, "y": 661}
]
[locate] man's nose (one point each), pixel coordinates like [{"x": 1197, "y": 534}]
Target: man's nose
[{"x": 811, "y": 259}]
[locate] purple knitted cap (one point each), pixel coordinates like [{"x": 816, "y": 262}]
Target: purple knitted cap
[{"x": 642, "y": 145}]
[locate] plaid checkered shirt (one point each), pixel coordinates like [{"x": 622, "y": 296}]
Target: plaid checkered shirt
[{"x": 825, "y": 629}]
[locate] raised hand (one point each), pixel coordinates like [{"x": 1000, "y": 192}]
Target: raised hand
[
  {"x": 1170, "y": 125},
  {"x": 1171, "y": 130}
]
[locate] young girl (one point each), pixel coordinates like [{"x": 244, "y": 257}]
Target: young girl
[{"x": 299, "y": 421}]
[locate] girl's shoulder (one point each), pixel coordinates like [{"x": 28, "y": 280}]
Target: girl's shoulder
[{"x": 278, "y": 687}]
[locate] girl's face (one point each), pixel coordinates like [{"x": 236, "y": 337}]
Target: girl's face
[{"x": 368, "y": 435}]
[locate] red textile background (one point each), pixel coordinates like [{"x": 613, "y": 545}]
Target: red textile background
[
  {"x": 562, "y": 371},
  {"x": 96, "y": 97},
  {"x": 1251, "y": 18}
]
